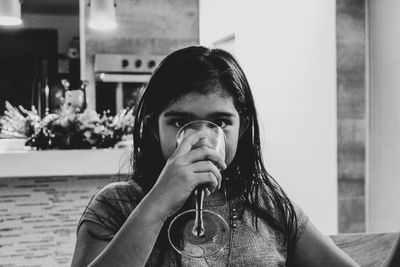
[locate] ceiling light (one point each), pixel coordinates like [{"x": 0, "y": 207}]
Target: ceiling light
[
  {"x": 10, "y": 12},
  {"x": 102, "y": 14}
]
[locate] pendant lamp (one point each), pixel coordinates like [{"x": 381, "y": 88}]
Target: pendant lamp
[
  {"x": 10, "y": 12},
  {"x": 102, "y": 14}
]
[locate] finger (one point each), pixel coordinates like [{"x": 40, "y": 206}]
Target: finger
[
  {"x": 206, "y": 153},
  {"x": 207, "y": 166},
  {"x": 187, "y": 142},
  {"x": 206, "y": 178}
]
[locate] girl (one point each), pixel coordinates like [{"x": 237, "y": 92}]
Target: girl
[{"x": 125, "y": 223}]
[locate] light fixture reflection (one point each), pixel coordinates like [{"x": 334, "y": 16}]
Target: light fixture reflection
[
  {"x": 102, "y": 14},
  {"x": 10, "y": 12}
]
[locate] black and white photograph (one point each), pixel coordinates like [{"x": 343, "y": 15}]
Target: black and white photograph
[{"x": 199, "y": 133}]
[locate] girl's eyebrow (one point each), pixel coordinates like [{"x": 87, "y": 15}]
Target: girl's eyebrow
[
  {"x": 219, "y": 114},
  {"x": 186, "y": 114},
  {"x": 173, "y": 113}
]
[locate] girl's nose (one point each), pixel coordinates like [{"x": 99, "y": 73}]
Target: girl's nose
[
  {"x": 204, "y": 126},
  {"x": 202, "y": 142}
]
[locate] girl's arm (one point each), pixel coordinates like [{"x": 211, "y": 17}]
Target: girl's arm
[
  {"x": 316, "y": 249},
  {"x": 131, "y": 246},
  {"x": 133, "y": 243}
]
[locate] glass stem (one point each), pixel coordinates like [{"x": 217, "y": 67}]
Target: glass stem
[{"x": 198, "y": 228}]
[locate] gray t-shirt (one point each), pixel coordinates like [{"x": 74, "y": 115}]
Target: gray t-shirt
[{"x": 248, "y": 246}]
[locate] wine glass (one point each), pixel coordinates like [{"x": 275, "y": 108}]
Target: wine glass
[{"x": 199, "y": 233}]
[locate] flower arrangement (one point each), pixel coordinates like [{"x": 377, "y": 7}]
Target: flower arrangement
[
  {"x": 67, "y": 128},
  {"x": 18, "y": 122}
]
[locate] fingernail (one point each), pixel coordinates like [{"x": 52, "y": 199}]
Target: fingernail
[{"x": 207, "y": 191}]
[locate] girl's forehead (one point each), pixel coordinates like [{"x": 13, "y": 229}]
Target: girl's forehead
[
  {"x": 193, "y": 99},
  {"x": 203, "y": 103}
]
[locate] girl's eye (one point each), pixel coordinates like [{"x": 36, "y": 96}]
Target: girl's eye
[
  {"x": 178, "y": 123},
  {"x": 221, "y": 123}
]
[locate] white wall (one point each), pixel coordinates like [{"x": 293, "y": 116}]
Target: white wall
[
  {"x": 383, "y": 214},
  {"x": 288, "y": 51},
  {"x": 217, "y": 19}
]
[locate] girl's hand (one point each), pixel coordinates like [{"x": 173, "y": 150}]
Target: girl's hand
[{"x": 184, "y": 171}]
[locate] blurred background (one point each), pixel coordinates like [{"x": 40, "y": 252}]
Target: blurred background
[{"x": 323, "y": 74}]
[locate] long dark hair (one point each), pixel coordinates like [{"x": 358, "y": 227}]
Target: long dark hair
[{"x": 187, "y": 70}]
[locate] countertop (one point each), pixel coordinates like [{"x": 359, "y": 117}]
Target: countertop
[{"x": 27, "y": 162}]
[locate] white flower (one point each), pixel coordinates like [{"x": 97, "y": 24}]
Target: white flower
[{"x": 89, "y": 116}]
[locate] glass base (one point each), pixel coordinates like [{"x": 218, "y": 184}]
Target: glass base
[{"x": 184, "y": 240}]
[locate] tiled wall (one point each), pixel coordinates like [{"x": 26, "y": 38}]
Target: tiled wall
[
  {"x": 351, "y": 100},
  {"x": 38, "y": 218}
]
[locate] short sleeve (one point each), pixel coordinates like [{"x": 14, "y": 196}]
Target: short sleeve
[
  {"x": 302, "y": 220},
  {"x": 112, "y": 205}
]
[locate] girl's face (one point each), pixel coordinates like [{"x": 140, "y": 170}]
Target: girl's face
[{"x": 216, "y": 107}]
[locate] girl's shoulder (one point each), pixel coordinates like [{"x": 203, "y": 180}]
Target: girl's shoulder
[
  {"x": 301, "y": 218},
  {"x": 112, "y": 205},
  {"x": 121, "y": 190}
]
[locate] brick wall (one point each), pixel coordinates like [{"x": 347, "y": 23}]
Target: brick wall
[{"x": 39, "y": 215}]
